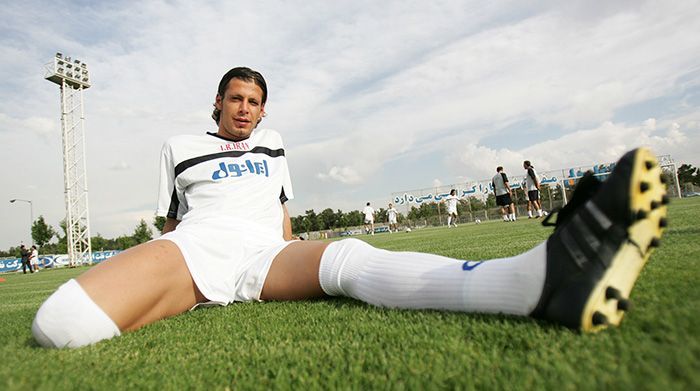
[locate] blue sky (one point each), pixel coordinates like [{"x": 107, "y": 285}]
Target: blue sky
[{"x": 371, "y": 97}]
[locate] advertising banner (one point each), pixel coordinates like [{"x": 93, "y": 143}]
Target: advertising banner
[{"x": 51, "y": 261}]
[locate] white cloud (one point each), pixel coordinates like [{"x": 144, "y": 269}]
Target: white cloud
[
  {"x": 346, "y": 175},
  {"x": 40, "y": 126},
  {"x": 352, "y": 91},
  {"x": 120, "y": 166},
  {"x": 602, "y": 144}
]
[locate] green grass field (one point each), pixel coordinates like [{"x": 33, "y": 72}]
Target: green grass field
[{"x": 341, "y": 343}]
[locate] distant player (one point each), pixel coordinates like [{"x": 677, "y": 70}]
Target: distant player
[
  {"x": 532, "y": 184},
  {"x": 34, "y": 258},
  {"x": 451, "y": 201},
  {"x": 369, "y": 219},
  {"x": 392, "y": 215},
  {"x": 227, "y": 238},
  {"x": 502, "y": 191}
]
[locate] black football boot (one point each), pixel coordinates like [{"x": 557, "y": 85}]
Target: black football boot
[{"x": 602, "y": 240}]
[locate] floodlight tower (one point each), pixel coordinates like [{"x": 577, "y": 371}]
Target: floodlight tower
[{"x": 73, "y": 77}]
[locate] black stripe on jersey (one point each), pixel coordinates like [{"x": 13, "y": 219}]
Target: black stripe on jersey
[
  {"x": 531, "y": 173},
  {"x": 174, "y": 205},
  {"x": 184, "y": 165},
  {"x": 283, "y": 197},
  {"x": 505, "y": 177}
]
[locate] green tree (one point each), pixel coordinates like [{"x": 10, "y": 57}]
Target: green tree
[
  {"x": 297, "y": 224},
  {"x": 476, "y": 204},
  {"x": 310, "y": 221},
  {"x": 326, "y": 219},
  {"x": 355, "y": 218},
  {"x": 341, "y": 220},
  {"x": 159, "y": 223},
  {"x": 491, "y": 201},
  {"x": 98, "y": 243},
  {"x": 42, "y": 233},
  {"x": 381, "y": 216},
  {"x": 688, "y": 174},
  {"x": 142, "y": 233},
  {"x": 124, "y": 242}
]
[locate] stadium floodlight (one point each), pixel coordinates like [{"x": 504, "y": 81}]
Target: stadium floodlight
[
  {"x": 31, "y": 215},
  {"x": 72, "y": 76}
]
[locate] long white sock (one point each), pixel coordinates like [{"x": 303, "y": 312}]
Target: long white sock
[
  {"x": 69, "y": 318},
  {"x": 449, "y": 221},
  {"x": 353, "y": 268}
]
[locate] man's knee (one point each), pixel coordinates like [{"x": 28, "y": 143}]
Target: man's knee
[
  {"x": 341, "y": 263},
  {"x": 69, "y": 318}
]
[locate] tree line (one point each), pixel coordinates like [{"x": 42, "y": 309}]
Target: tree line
[{"x": 43, "y": 233}]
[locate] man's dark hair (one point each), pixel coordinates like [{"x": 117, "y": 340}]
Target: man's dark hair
[
  {"x": 368, "y": 204},
  {"x": 499, "y": 169},
  {"x": 527, "y": 163},
  {"x": 240, "y": 73},
  {"x": 453, "y": 191}
]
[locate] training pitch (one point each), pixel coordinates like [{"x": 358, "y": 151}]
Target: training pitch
[{"x": 344, "y": 344}]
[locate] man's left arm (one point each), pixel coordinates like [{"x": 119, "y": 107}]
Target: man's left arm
[{"x": 286, "y": 224}]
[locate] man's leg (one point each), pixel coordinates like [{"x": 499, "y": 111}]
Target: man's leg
[
  {"x": 294, "y": 272},
  {"x": 353, "y": 268},
  {"x": 134, "y": 288},
  {"x": 580, "y": 277}
]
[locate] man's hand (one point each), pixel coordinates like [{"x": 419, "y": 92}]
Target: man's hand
[{"x": 170, "y": 225}]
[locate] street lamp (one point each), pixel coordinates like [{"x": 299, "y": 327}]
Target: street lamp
[{"x": 31, "y": 215}]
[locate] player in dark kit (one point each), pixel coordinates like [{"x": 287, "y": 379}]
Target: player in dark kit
[{"x": 502, "y": 191}]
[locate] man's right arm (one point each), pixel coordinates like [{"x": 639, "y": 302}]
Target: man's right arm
[{"x": 170, "y": 225}]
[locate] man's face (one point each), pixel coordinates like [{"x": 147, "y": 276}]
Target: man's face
[{"x": 241, "y": 109}]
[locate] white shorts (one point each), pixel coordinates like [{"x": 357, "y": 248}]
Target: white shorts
[
  {"x": 229, "y": 269},
  {"x": 369, "y": 221},
  {"x": 451, "y": 211},
  {"x": 392, "y": 221}
]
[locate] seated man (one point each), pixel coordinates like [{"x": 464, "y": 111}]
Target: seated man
[{"x": 227, "y": 239}]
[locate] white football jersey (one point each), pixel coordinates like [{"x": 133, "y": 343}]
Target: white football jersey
[
  {"x": 531, "y": 179},
  {"x": 208, "y": 177},
  {"x": 499, "y": 183},
  {"x": 451, "y": 201},
  {"x": 392, "y": 213},
  {"x": 369, "y": 212}
]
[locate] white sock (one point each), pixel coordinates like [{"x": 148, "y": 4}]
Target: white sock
[
  {"x": 529, "y": 213},
  {"x": 512, "y": 217},
  {"x": 355, "y": 269},
  {"x": 539, "y": 212},
  {"x": 69, "y": 318},
  {"x": 449, "y": 220}
]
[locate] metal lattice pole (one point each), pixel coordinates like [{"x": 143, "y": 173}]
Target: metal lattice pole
[{"x": 73, "y": 78}]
